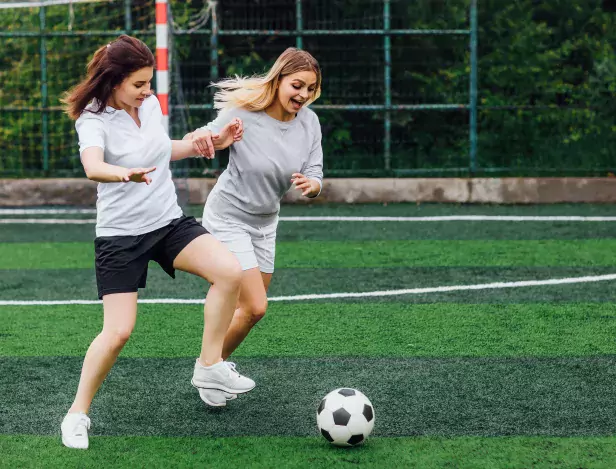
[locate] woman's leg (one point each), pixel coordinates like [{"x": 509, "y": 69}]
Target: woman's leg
[
  {"x": 120, "y": 314},
  {"x": 251, "y": 308},
  {"x": 211, "y": 260}
]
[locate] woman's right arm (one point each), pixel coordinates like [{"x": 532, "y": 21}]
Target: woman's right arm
[
  {"x": 91, "y": 131},
  {"x": 219, "y": 134},
  {"x": 97, "y": 170}
]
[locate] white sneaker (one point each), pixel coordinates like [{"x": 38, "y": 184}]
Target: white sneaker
[
  {"x": 221, "y": 376},
  {"x": 230, "y": 396},
  {"x": 75, "y": 428},
  {"x": 215, "y": 398}
]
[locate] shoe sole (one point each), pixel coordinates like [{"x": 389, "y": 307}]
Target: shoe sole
[
  {"x": 221, "y": 387},
  {"x": 65, "y": 443},
  {"x": 210, "y": 403}
]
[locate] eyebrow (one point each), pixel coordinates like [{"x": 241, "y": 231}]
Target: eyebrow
[{"x": 303, "y": 82}]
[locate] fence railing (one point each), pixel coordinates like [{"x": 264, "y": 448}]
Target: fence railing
[{"x": 400, "y": 91}]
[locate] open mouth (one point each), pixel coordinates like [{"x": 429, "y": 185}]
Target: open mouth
[{"x": 296, "y": 104}]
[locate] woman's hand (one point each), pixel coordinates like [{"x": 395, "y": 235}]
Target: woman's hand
[
  {"x": 205, "y": 143},
  {"x": 202, "y": 143},
  {"x": 309, "y": 187},
  {"x": 231, "y": 133},
  {"x": 138, "y": 175}
]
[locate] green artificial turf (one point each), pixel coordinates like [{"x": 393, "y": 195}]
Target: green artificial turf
[
  {"x": 331, "y": 329},
  {"x": 313, "y": 453}
]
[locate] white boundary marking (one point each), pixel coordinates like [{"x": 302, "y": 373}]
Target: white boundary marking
[
  {"x": 46, "y": 3},
  {"x": 46, "y": 211},
  {"x": 454, "y": 218},
  {"x": 327, "y": 296},
  {"x": 511, "y": 218},
  {"x": 46, "y": 221}
]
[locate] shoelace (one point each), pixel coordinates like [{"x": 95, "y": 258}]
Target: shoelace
[
  {"x": 231, "y": 367},
  {"x": 83, "y": 422}
]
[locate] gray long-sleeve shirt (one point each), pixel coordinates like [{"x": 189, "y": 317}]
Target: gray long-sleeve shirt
[{"x": 262, "y": 163}]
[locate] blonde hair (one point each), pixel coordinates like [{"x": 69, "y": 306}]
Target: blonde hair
[{"x": 258, "y": 92}]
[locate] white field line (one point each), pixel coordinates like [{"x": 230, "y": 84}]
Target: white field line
[
  {"x": 45, "y": 221},
  {"x": 43, "y": 3},
  {"x": 92, "y": 211},
  {"x": 454, "y": 218},
  {"x": 47, "y": 211},
  {"x": 88, "y": 221},
  {"x": 329, "y": 296}
]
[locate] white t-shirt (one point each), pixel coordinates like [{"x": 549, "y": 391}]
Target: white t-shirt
[{"x": 130, "y": 209}]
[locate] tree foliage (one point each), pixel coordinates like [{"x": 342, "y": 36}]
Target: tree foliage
[{"x": 547, "y": 80}]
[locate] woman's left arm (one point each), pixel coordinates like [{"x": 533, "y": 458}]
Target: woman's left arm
[
  {"x": 203, "y": 143},
  {"x": 310, "y": 181}
]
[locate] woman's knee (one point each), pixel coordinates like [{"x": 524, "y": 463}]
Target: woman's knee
[
  {"x": 117, "y": 336},
  {"x": 229, "y": 275},
  {"x": 256, "y": 310},
  {"x": 211, "y": 260}
]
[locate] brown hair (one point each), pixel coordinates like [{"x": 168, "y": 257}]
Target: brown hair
[{"x": 111, "y": 64}]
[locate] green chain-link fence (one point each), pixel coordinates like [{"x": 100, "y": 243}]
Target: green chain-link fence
[{"x": 408, "y": 89}]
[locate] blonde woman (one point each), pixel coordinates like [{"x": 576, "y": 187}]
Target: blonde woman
[{"x": 281, "y": 147}]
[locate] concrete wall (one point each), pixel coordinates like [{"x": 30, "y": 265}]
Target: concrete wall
[{"x": 29, "y": 192}]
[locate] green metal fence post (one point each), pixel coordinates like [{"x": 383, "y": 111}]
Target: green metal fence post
[
  {"x": 44, "y": 92},
  {"x": 214, "y": 58},
  {"x": 299, "y": 42},
  {"x": 128, "y": 17},
  {"x": 473, "y": 88},
  {"x": 387, "y": 80}
]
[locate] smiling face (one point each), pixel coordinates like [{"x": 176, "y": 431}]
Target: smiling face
[
  {"x": 295, "y": 90},
  {"x": 134, "y": 89}
]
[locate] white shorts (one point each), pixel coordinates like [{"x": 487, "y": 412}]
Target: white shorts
[{"x": 253, "y": 246}]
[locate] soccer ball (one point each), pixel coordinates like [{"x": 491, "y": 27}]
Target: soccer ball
[{"x": 345, "y": 417}]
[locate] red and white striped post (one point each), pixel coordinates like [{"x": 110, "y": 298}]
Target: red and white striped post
[{"x": 162, "y": 60}]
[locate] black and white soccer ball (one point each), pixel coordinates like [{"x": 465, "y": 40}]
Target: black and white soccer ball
[{"x": 345, "y": 417}]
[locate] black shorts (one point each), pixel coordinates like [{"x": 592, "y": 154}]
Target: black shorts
[{"x": 122, "y": 261}]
